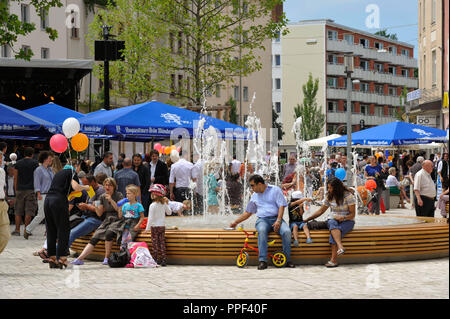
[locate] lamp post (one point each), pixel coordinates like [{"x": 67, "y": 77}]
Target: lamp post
[{"x": 348, "y": 61}]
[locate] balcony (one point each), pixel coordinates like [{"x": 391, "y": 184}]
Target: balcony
[
  {"x": 341, "y": 117},
  {"x": 367, "y": 53},
  {"x": 367, "y": 98},
  {"x": 373, "y": 76}
]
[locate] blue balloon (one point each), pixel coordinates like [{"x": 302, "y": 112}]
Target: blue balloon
[
  {"x": 390, "y": 164},
  {"x": 340, "y": 173}
]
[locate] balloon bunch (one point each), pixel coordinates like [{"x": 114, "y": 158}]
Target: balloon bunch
[
  {"x": 71, "y": 127},
  {"x": 165, "y": 149}
]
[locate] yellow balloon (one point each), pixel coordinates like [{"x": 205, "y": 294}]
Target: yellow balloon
[
  {"x": 390, "y": 157},
  {"x": 167, "y": 150},
  {"x": 79, "y": 142}
]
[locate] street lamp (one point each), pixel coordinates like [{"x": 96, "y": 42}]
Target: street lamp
[{"x": 348, "y": 62}]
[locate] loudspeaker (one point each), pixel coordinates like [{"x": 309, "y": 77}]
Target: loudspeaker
[{"x": 110, "y": 50}]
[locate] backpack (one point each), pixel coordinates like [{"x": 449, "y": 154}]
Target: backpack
[{"x": 119, "y": 259}]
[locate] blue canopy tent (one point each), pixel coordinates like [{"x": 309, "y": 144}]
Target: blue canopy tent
[
  {"x": 153, "y": 120},
  {"x": 54, "y": 113},
  {"x": 394, "y": 133},
  {"x": 16, "y": 123}
]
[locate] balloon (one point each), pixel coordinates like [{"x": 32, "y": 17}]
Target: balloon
[
  {"x": 377, "y": 155},
  {"x": 58, "y": 143},
  {"x": 390, "y": 157},
  {"x": 162, "y": 150},
  {"x": 390, "y": 164},
  {"x": 79, "y": 142},
  {"x": 178, "y": 149},
  {"x": 167, "y": 150},
  {"x": 13, "y": 156},
  {"x": 340, "y": 173},
  {"x": 157, "y": 147},
  {"x": 173, "y": 147},
  {"x": 71, "y": 127},
  {"x": 370, "y": 184}
]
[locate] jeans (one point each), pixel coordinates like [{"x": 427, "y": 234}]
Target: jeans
[
  {"x": 39, "y": 217},
  {"x": 264, "y": 226},
  {"x": 84, "y": 228}
]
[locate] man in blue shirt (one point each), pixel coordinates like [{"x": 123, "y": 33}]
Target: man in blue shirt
[{"x": 268, "y": 203}]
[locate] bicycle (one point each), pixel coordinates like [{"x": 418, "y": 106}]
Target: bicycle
[{"x": 278, "y": 258}]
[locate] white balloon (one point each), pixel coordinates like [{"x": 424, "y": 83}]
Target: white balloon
[
  {"x": 13, "y": 156},
  {"x": 71, "y": 127}
]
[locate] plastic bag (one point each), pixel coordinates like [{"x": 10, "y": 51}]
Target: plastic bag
[{"x": 140, "y": 256}]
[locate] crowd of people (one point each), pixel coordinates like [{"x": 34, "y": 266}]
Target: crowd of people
[{"x": 37, "y": 186}]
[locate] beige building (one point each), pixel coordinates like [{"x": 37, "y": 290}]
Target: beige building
[
  {"x": 431, "y": 46},
  {"x": 382, "y": 68}
]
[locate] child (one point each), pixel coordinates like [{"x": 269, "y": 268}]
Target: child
[
  {"x": 179, "y": 208},
  {"x": 296, "y": 217},
  {"x": 156, "y": 222},
  {"x": 133, "y": 212}
]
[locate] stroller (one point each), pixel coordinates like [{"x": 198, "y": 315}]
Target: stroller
[{"x": 363, "y": 199}]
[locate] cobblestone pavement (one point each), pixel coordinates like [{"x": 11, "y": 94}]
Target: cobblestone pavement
[{"x": 23, "y": 275}]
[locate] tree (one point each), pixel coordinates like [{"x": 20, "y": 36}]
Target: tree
[
  {"x": 233, "y": 115},
  {"x": 383, "y": 33},
  {"x": 313, "y": 120},
  {"x": 205, "y": 39},
  {"x": 11, "y": 26},
  {"x": 277, "y": 124},
  {"x": 400, "y": 112}
]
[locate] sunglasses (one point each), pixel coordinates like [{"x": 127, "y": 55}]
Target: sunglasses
[{"x": 252, "y": 185}]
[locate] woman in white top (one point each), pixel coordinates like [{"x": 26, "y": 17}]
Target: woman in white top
[{"x": 395, "y": 187}]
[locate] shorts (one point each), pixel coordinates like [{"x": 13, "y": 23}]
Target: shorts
[
  {"x": 394, "y": 190},
  {"x": 26, "y": 203},
  {"x": 344, "y": 227},
  {"x": 299, "y": 224}
]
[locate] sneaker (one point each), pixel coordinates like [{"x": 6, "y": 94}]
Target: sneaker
[
  {"x": 105, "y": 261},
  {"x": 296, "y": 243},
  {"x": 262, "y": 265},
  {"x": 77, "y": 262},
  {"x": 290, "y": 264},
  {"x": 15, "y": 233},
  {"x": 309, "y": 240},
  {"x": 26, "y": 234}
]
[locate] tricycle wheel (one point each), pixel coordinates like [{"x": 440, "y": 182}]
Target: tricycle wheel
[
  {"x": 279, "y": 259},
  {"x": 242, "y": 259}
]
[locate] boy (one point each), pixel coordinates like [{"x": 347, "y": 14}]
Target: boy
[{"x": 296, "y": 212}]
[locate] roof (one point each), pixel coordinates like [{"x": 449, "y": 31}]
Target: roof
[{"x": 47, "y": 63}]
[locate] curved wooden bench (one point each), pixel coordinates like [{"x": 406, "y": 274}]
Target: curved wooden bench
[{"x": 363, "y": 245}]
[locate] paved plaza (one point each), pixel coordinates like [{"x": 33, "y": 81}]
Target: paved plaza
[{"x": 23, "y": 275}]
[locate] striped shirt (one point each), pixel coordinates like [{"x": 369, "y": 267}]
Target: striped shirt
[
  {"x": 42, "y": 179},
  {"x": 340, "y": 210}
]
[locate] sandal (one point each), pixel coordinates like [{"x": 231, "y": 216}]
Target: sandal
[
  {"x": 63, "y": 263},
  {"x": 331, "y": 264},
  {"x": 340, "y": 252},
  {"x": 43, "y": 253},
  {"x": 52, "y": 263}
]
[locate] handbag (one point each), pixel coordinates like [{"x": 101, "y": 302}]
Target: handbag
[{"x": 119, "y": 259}]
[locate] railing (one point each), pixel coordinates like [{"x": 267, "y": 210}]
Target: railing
[{"x": 341, "y": 94}]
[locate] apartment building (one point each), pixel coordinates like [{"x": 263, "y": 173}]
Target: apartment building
[
  {"x": 382, "y": 68},
  {"x": 431, "y": 61}
]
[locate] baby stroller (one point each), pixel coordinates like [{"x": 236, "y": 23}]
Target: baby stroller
[{"x": 363, "y": 199}]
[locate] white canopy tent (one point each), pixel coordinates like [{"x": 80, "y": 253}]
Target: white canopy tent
[{"x": 321, "y": 141}]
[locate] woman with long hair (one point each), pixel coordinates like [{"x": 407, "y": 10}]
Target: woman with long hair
[{"x": 341, "y": 220}]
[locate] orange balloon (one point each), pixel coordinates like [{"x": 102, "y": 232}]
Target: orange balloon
[
  {"x": 370, "y": 184},
  {"x": 79, "y": 142},
  {"x": 162, "y": 150},
  {"x": 167, "y": 150}
]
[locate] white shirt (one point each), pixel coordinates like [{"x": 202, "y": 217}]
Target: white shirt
[
  {"x": 424, "y": 184},
  {"x": 235, "y": 166},
  {"x": 392, "y": 181},
  {"x": 11, "y": 191},
  {"x": 180, "y": 173},
  {"x": 197, "y": 173},
  {"x": 2, "y": 183},
  {"x": 153, "y": 169},
  {"x": 175, "y": 206},
  {"x": 157, "y": 215}
]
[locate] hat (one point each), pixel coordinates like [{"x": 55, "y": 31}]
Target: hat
[
  {"x": 297, "y": 195},
  {"x": 158, "y": 189}
]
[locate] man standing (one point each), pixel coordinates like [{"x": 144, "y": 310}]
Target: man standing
[
  {"x": 425, "y": 190},
  {"x": 235, "y": 166},
  {"x": 268, "y": 203},
  {"x": 127, "y": 176},
  {"x": 159, "y": 173},
  {"x": 105, "y": 165},
  {"x": 289, "y": 168},
  {"x": 4, "y": 219},
  {"x": 43, "y": 176},
  {"x": 442, "y": 170},
  {"x": 179, "y": 179},
  {"x": 144, "y": 177},
  {"x": 26, "y": 203},
  {"x": 197, "y": 177}
]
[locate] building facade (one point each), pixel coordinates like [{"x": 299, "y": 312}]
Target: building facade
[{"x": 383, "y": 68}]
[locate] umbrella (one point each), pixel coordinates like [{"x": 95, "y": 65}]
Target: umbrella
[
  {"x": 394, "y": 133},
  {"x": 53, "y": 113},
  {"x": 153, "y": 119},
  {"x": 321, "y": 141}
]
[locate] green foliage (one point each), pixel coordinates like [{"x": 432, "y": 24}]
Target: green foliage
[
  {"x": 313, "y": 120},
  {"x": 11, "y": 26},
  {"x": 233, "y": 115},
  {"x": 383, "y": 33},
  {"x": 277, "y": 124},
  {"x": 400, "y": 112}
]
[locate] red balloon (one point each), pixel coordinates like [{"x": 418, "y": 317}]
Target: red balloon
[
  {"x": 157, "y": 147},
  {"x": 371, "y": 184},
  {"x": 178, "y": 149},
  {"x": 58, "y": 143}
]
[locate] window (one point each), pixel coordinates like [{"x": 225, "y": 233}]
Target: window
[
  {"x": 277, "y": 84},
  {"x": 393, "y": 50},
  {"x": 26, "y": 48},
  {"x": 44, "y": 19},
  {"x": 433, "y": 11},
  {"x": 180, "y": 83},
  {"x": 378, "y": 45},
  {"x": 392, "y": 91},
  {"x": 180, "y": 42},
  {"x": 217, "y": 90},
  {"x": 172, "y": 42},
  {"x": 332, "y": 35},
  {"x": 391, "y": 111},
  {"x": 364, "y": 42},
  {"x": 45, "y": 53},
  {"x": 245, "y": 94},
  {"x": 424, "y": 69},
  {"x": 364, "y": 108},
  {"x": 379, "y": 67},
  {"x": 74, "y": 33},
  {"x": 353, "y": 108},
  {"x": 332, "y": 59},
  {"x": 433, "y": 67},
  {"x": 392, "y": 70},
  {"x": 172, "y": 85},
  {"x": 405, "y": 52},
  {"x": 236, "y": 92},
  {"x": 364, "y": 87},
  {"x": 25, "y": 12},
  {"x": 331, "y": 82},
  {"x": 379, "y": 111},
  {"x": 349, "y": 38},
  {"x": 332, "y": 106},
  {"x": 277, "y": 59},
  {"x": 278, "y": 107},
  {"x": 363, "y": 64},
  {"x": 379, "y": 89},
  {"x": 277, "y": 37},
  {"x": 405, "y": 73},
  {"x": 5, "y": 51}
]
